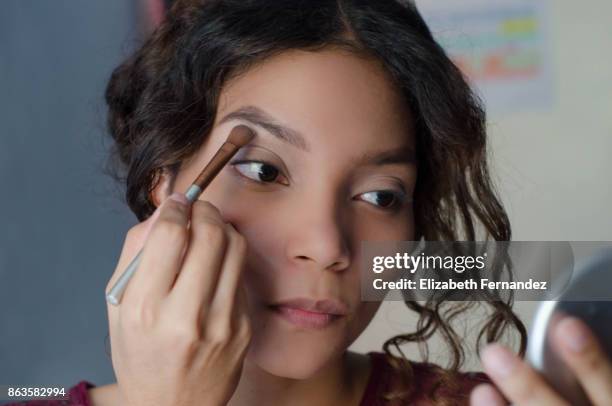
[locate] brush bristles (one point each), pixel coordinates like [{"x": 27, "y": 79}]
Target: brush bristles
[{"x": 240, "y": 135}]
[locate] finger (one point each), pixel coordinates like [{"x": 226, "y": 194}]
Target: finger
[
  {"x": 518, "y": 381},
  {"x": 241, "y": 322},
  {"x": 226, "y": 299},
  {"x": 585, "y": 356},
  {"x": 239, "y": 313},
  {"x": 195, "y": 285},
  {"x": 486, "y": 395},
  {"x": 241, "y": 302},
  {"x": 241, "y": 329},
  {"x": 133, "y": 242},
  {"x": 162, "y": 254}
]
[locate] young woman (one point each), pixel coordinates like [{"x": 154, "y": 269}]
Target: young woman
[{"x": 365, "y": 130}]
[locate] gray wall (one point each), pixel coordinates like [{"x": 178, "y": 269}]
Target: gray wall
[{"x": 62, "y": 219}]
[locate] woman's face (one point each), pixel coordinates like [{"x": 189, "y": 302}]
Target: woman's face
[{"x": 332, "y": 164}]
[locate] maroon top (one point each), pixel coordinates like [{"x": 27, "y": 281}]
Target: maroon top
[
  {"x": 380, "y": 381},
  {"x": 383, "y": 377}
]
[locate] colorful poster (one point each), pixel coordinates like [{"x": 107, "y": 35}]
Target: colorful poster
[{"x": 503, "y": 47}]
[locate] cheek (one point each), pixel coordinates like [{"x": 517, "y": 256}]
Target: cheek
[
  {"x": 375, "y": 227},
  {"x": 250, "y": 217},
  {"x": 364, "y": 314},
  {"x": 263, "y": 231}
]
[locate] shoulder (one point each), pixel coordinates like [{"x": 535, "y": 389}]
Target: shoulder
[{"x": 424, "y": 380}]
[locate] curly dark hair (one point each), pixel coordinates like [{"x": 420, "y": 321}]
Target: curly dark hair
[{"x": 162, "y": 102}]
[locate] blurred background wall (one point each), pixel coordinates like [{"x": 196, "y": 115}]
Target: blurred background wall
[
  {"x": 552, "y": 162},
  {"x": 63, "y": 220}
]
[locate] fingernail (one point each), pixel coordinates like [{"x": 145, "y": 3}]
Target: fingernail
[
  {"x": 179, "y": 197},
  {"x": 498, "y": 361},
  {"x": 573, "y": 334}
]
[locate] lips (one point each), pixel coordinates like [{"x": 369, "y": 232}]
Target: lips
[{"x": 310, "y": 313}]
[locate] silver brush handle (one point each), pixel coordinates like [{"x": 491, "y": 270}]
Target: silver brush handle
[{"x": 114, "y": 295}]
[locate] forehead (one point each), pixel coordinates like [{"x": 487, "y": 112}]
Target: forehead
[{"x": 336, "y": 99}]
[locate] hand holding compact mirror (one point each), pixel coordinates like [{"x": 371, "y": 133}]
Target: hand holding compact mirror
[{"x": 588, "y": 298}]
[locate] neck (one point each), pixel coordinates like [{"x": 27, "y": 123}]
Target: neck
[{"x": 341, "y": 381}]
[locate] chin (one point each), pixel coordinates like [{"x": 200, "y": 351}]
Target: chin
[{"x": 295, "y": 354}]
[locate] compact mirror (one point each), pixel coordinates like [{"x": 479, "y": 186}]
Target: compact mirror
[{"x": 587, "y": 297}]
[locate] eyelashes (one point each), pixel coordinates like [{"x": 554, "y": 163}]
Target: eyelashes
[
  {"x": 259, "y": 171},
  {"x": 387, "y": 199},
  {"x": 263, "y": 173}
]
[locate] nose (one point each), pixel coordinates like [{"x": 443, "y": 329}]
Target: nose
[{"x": 319, "y": 240}]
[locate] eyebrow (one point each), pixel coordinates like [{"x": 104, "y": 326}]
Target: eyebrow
[
  {"x": 402, "y": 155},
  {"x": 254, "y": 115},
  {"x": 258, "y": 117}
]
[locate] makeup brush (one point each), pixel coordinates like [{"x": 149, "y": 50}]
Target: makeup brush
[{"x": 239, "y": 136}]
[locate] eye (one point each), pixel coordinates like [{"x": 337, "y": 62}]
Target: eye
[
  {"x": 384, "y": 199},
  {"x": 258, "y": 171}
]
